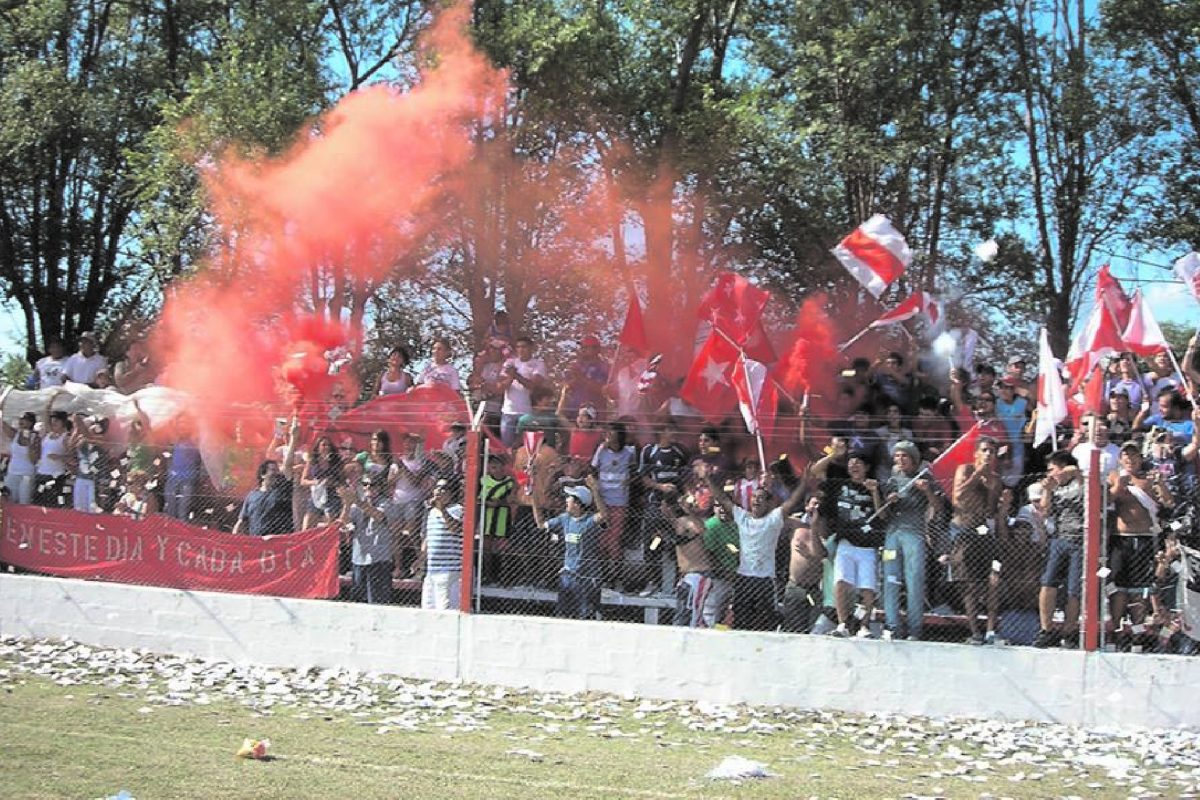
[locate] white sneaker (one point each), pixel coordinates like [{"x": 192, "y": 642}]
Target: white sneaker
[
  {"x": 840, "y": 631},
  {"x": 865, "y": 633}
]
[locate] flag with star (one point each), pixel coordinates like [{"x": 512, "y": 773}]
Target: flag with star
[
  {"x": 734, "y": 305},
  {"x": 708, "y": 386}
]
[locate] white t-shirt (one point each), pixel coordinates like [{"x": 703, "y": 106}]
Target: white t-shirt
[
  {"x": 516, "y": 396},
  {"x": 83, "y": 369},
  {"x": 408, "y": 490},
  {"x": 1110, "y": 457},
  {"x": 758, "y": 537},
  {"x": 50, "y": 371},
  {"x": 445, "y": 374}
]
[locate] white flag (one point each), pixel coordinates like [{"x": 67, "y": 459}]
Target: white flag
[
  {"x": 1188, "y": 270},
  {"x": 1052, "y": 399}
]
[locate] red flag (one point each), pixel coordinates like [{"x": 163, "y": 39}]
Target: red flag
[
  {"x": 708, "y": 386},
  {"x": 633, "y": 333},
  {"x": 1143, "y": 335},
  {"x": 734, "y": 305},
  {"x": 757, "y": 396},
  {"x": 874, "y": 253},
  {"x": 962, "y": 451},
  {"x": 758, "y": 346},
  {"x": 1110, "y": 293}
]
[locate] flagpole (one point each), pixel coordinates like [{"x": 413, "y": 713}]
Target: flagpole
[
  {"x": 787, "y": 395},
  {"x": 854, "y": 338},
  {"x": 1187, "y": 385},
  {"x": 762, "y": 458}
]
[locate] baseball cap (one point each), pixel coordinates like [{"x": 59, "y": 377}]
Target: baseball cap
[
  {"x": 580, "y": 493},
  {"x": 589, "y": 341},
  {"x": 1016, "y": 360}
]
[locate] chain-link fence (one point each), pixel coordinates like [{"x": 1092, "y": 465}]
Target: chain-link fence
[{"x": 661, "y": 524}]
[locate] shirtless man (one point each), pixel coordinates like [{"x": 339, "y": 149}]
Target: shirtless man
[
  {"x": 802, "y": 597},
  {"x": 978, "y": 496},
  {"x": 1137, "y": 495},
  {"x": 695, "y": 567}
]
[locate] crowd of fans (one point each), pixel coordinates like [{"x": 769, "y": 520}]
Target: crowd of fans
[{"x": 600, "y": 480}]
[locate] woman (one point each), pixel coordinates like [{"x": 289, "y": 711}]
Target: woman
[
  {"x": 50, "y": 483},
  {"x": 395, "y": 380},
  {"x": 25, "y": 449},
  {"x": 321, "y": 475},
  {"x": 441, "y": 371}
]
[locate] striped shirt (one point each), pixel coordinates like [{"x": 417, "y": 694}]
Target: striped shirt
[
  {"x": 495, "y": 520},
  {"x": 443, "y": 544}
]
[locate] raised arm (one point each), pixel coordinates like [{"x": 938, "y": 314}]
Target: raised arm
[
  {"x": 793, "y": 500},
  {"x": 289, "y": 453},
  {"x": 718, "y": 492}
]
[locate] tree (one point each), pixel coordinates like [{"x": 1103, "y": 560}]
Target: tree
[
  {"x": 1161, "y": 39},
  {"x": 1090, "y": 147}
]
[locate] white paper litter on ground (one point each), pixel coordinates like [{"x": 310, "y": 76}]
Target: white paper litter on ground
[{"x": 736, "y": 768}]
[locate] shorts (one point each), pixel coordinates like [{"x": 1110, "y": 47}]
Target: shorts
[
  {"x": 1064, "y": 563},
  {"x": 1131, "y": 559},
  {"x": 857, "y": 566},
  {"x": 976, "y": 552},
  {"x": 690, "y": 595}
]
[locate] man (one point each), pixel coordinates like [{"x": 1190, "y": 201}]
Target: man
[
  {"x": 695, "y": 566},
  {"x": 910, "y": 503},
  {"x": 662, "y": 467},
  {"x": 497, "y": 494},
  {"x": 1170, "y": 413},
  {"x": 1120, "y": 416},
  {"x": 891, "y": 383},
  {"x": 847, "y": 506},
  {"x": 1095, "y": 431},
  {"x": 83, "y": 366},
  {"x": 721, "y": 541},
  {"x": 1013, "y": 412},
  {"x": 579, "y": 529},
  {"x": 443, "y": 549},
  {"x": 615, "y": 462},
  {"x": 758, "y": 534},
  {"x": 48, "y": 371},
  {"x": 1014, "y": 373},
  {"x": 1062, "y": 502},
  {"x": 981, "y": 412},
  {"x": 536, "y": 473},
  {"x": 484, "y": 383},
  {"x": 1128, "y": 380},
  {"x": 267, "y": 509},
  {"x": 587, "y": 378},
  {"x": 977, "y": 522},
  {"x": 412, "y": 476},
  {"x": 1138, "y": 495},
  {"x": 369, "y": 523},
  {"x": 803, "y": 595},
  {"x": 521, "y": 374}
]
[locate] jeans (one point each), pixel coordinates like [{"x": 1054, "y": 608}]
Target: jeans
[
  {"x": 177, "y": 495},
  {"x": 577, "y": 596},
  {"x": 904, "y": 562},
  {"x": 373, "y": 582},
  {"x": 508, "y": 428},
  {"x": 754, "y": 604}
]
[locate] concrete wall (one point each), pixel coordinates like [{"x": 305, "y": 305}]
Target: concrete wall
[{"x": 646, "y": 661}]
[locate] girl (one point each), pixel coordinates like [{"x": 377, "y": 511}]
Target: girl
[
  {"x": 395, "y": 380},
  {"x": 321, "y": 475},
  {"x": 25, "y": 451}
]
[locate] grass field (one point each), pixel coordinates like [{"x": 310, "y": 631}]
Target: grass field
[{"x": 96, "y": 735}]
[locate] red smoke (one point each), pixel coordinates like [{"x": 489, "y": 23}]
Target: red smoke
[
  {"x": 810, "y": 362},
  {"x": 350, "y": 199}
]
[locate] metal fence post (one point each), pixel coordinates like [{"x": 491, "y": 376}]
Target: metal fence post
[
  {"x": 470, "y": 519},
  {"x": 1092, "y": 611}
]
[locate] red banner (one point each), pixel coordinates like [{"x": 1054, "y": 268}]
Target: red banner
[{"x": 161, "y": 551}]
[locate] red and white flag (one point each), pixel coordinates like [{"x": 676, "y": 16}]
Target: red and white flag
[
  {"x": 734, "y": 306},
  {"x": 1143, "y": 335},
  {"x": 1111, "y": 294},
  {"x": 962, "y": 451},
  {"x": 757, "y": 396},
  {"x": 633, "y": 332},
  {"x": 1188, "y": 270},
  {"x": 1052, "y": 396},
  {"x": 708, "y": 386},
  {"x": 875, "y": 254},
  {"x": 917, "y": 304},
  {"x": 1100, "y": 337},
  {"x": 758, "y": 346}
]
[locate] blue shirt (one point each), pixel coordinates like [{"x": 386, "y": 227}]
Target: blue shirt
[
  {"x": 582, "y": 539},
  {"x": 269, "y": 513}
]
